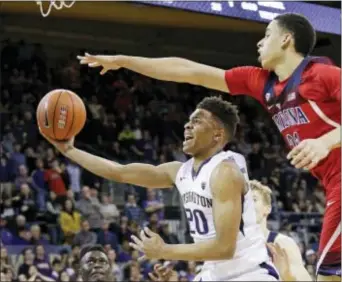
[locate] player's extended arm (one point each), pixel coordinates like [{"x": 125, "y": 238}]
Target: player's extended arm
[
  {"x": 140, "y": 174},
  {"x": 168, "y": 69},
  {"x": 227, "y": 186},
  {"x": 297, "y": 269}
]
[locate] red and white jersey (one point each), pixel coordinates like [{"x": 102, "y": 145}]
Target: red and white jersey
[{"x": 309, "y": 110}]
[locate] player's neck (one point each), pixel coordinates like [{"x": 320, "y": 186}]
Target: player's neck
[
  {"x": 201, "y": 158},
  {"x": 264, "y": 229},
  {"x": 287, "y": 66}
]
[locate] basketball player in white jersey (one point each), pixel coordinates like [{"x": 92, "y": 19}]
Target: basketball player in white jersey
[
  {"x": 215, "y": 193},
  {"x": 262, "y": 200}
]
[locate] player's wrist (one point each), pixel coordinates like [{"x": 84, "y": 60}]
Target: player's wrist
[
  {"x": 120, "y": 60},
  {"x": 67, "y": 151},
  {"x": 328, "y": 142}
]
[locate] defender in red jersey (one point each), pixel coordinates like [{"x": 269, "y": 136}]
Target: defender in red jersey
[{"x": 301, "y": 93}]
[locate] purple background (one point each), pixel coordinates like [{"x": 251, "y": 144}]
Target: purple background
[{"x": 324, "y": 19}]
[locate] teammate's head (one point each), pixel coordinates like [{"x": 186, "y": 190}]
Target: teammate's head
[
  {"x": 94, "y": 264},
  {"x": 286, "y": 33},
  {"x": 262, "y": 199},
  {"x": 210, "y": 126}
]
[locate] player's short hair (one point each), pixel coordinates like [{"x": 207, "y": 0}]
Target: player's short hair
[
  {"x": 264, "y": 191},
  {"x": 225, "y": 111},
  {"x": 91, "y": 248},
  {"x": 303, "y": 32}
]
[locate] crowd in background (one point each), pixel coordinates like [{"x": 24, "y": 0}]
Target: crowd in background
[{"x": 48, "y": 200}]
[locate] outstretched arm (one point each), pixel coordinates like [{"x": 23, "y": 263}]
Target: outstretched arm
[
  {"x": 140, "y": 174},
  {"x": 168, "y": 69}
]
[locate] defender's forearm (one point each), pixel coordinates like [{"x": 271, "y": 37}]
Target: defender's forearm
[{"x": 168, "y": 69}]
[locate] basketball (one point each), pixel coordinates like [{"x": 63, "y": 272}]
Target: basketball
[{"x": 61, "y": 114}]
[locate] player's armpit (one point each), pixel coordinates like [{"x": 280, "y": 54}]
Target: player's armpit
[
  {"x": 227, "y": 185},
  {"x": 246, "y": 80},
  {"x": 140, "y": 174},
  {"x": 297, "y": 267}
]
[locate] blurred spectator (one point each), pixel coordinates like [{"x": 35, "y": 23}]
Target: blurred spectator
[
  {"x": 85, "y": 236},
  {"x": 24, "y": 236},
  {"x": 28, "y": 262},
  {"x": 109, "y": 210},
  {"x": 105, "y": 237},
  {"x": 5, "y": 261},
  {"x": 41, "y": 261},
  {"x": 38, "y": 183},
  {"x": 5, "y": 234},
  {"x": 53, "y": 208},
  {"x": 22, "y": 177},
  {"x": 167, "y": 235},
  {"x": 132, "y": 210},
  {"x": 124, "y": 254},
  {"x": 70, "y": 221},
  {"x": 89, "y": 207},
  {"x": 37, "y": 238},
  {"x": 75, "y": 174},
  {"x": 17, "y": 159},
  {"x": 53, "y": 176},
  {"x": 116, "y": 270},
  {"x": 152, "y": 204},
  {"x": 25, "y": 202},
  {"x": 310, "y": 257}
]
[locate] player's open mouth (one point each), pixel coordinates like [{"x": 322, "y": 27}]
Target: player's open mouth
[{"x": 187, "y": 139}]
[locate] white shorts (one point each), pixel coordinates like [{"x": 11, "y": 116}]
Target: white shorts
[{"x": 264, "y": 272}]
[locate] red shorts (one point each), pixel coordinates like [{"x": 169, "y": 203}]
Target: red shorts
[{"x": 329, "y": 262}]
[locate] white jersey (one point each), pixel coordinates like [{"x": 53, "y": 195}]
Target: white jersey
[{"x": 195, "y": 191}]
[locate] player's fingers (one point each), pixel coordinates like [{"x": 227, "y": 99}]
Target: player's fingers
[
  {"x": 88, "y": 55},
  {"x": 271, "y": 248},
  {"x": 136, "y": 247},
  {"x": 300, "y": 155},
  {"x": 103, "y": 71},
  {"x": 94, "y": 65},
  {"x": 296, "y": 150},
  {"x": 312, "y": 164},
  {"x": 84, "y": 61},
  {"x": 137, "y": 241},
  {"x": 143, "y": 236},
  {"x": 279, "y": 250},
  {"x": 305, "y": 161},
  {"x": 149, "y": 232},
  {"x": 157, "y": 266},
  {"x": 153, "y": 276}
]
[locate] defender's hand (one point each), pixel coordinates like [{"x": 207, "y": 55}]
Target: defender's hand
[
  {"x": 63, "y": 147},
  {"x": 152, "y": 246},
  {"x": 308, "y": 153},
  {"x": 106, "y": 62}
]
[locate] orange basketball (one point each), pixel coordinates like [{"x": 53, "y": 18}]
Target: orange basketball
[{"x": 61, "y": 114}]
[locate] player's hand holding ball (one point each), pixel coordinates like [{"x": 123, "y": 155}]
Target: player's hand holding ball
[
  {"x": 106, "y": 62},
  {"x": 61, "y": 115},
  {"x": 308, "y": 153}
]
